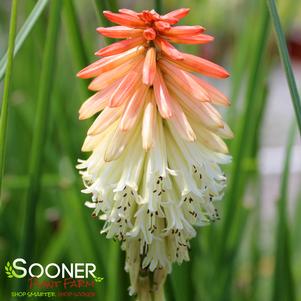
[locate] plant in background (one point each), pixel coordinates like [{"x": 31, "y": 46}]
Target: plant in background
[{"x": 156, "y": 145}]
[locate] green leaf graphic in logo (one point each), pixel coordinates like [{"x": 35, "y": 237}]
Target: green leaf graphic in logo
[
  {"x": 98, "y": 279},
  {"x": 10, "y": 271}
]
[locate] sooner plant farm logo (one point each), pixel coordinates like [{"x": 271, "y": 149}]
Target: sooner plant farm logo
[
  {"x": 51, "y": 270},
  {"x": 60, "y": 276}
]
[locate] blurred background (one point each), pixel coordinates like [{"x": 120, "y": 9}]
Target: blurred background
[{"x": 254, "y": 252}]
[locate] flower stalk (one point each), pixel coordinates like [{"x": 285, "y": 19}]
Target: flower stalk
[{"x": 7, "y": 81}]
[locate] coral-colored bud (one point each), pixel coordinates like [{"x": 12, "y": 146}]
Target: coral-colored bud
[
  {"x": 162, "y": 26},
  {"x": 149, "y": 34},
  {"x": 124, "y": 19},
  {"x": 177, "y": 14}
]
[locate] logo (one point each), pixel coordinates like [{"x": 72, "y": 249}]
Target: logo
[
  {"x": 66, "y": 279},
  {"x": 18, "y": 269}
]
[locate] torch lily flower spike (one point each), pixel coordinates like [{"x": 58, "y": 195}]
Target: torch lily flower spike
[{"x": 156, "y": 143}]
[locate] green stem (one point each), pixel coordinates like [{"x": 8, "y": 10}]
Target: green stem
[
  {"x": 4, "y": 108},
  {"x": 101, "y": 5},
  {"x": 241, "y": 141},
  {"x": 76, "y": 41},
  {"x": 113, "y": 294},
  {"x": 283, "y": 51},
  {"x": 239, "y": 58},
  {"x": 23, "y": 33},
  {"x": 74, "y": 33},
  {"x": 158, "y": 6},
  {"x": 40, "y": 129},
  {"x": 113, "y": 4},
  {"x": 283, "y": 286}
]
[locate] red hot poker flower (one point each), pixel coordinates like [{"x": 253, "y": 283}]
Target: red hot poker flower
[{"x": 156, "y": 144}]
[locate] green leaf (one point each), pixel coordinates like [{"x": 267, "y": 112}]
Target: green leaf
[
  {"x": 40, "y": 129},
  {"x": 9, "y": 275},
  {"x": 283, "y": 52},
  {"x": 284, "y": 287},
  {"x": 243, "y": 134},
  {"x": 76, "y": 41},
  {"x": 23, "y": 33},
  {"x": 113, "y": 271},
  {"x": 98, "y": 279},
  {"x": 4, "y": 107},
  {"x": 9, "y": 270},
  {"x": 101, "y": 6}
]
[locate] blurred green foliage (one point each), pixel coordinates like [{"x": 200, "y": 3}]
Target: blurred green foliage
[{"x": 228, "y": 261}]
